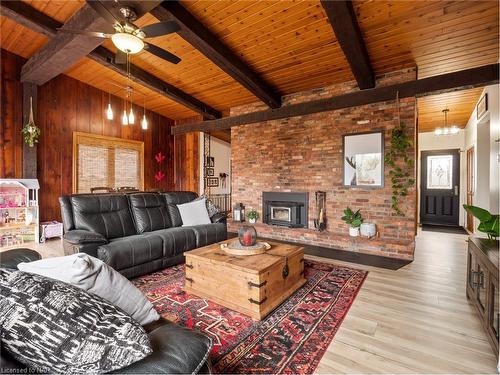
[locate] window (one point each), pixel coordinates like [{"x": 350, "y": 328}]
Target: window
[
  {"x": 439, "y": 171},
  {"x": 100, "y": 161}
]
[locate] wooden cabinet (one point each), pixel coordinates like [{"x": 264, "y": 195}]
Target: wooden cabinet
[{"x": 482, "y": 284}]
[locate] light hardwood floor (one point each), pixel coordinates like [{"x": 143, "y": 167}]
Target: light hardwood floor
[{"x": 413, "y": 320}]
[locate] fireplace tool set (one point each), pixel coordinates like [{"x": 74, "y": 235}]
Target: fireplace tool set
[{"x": 320, "y": 211}]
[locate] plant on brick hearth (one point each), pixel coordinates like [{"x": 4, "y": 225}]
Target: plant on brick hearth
[
  {"x": 401, "y": 166},
  {"x": 354, "y": 219},
  {"x": 252, "y": 216}
]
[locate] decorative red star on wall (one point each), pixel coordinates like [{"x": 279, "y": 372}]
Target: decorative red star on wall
[
  {"x": 159, "y": 176},
  {"x": 159, "y": 157}
]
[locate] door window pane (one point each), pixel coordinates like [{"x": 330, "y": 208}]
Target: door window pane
[{"x": 439, "y": 171}]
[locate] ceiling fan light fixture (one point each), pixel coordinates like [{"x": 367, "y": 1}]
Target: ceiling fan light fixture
[{"x": 127, "y": 43}]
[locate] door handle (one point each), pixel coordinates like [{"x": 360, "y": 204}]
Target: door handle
[{"x": 456, "y": 190}]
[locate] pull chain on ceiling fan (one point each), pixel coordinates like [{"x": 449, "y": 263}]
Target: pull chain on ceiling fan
[{"x": 127, "y": 37}]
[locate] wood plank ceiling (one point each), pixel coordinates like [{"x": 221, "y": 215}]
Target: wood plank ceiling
[
  {"x": 460, "y": 103},
  {"x": 290, "y": 44}
]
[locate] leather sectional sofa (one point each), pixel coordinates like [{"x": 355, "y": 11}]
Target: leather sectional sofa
[
  {"x": 176, "y": 350},
  {"x": 135, "y": 233}
]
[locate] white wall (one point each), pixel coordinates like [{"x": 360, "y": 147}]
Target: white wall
[
  {"x": 429, "y": 141},
  {"x": 221, "y": 152},
  {"x": 483, "y": 134},
  {"x": 201, "y": 153}
]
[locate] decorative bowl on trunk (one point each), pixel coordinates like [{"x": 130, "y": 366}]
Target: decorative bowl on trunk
[{"x": 247, "y": 235}]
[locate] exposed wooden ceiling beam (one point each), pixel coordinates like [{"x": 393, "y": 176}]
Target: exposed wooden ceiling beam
[
  {"x": 461, "y": 80},
  {"x": 196, "y": 34},
  {"x": 37, "y": 21},
  {"x": 29, "y": 17},
  {"x": 64, "y": 49},
  {"x": 142, "y": 77},
  {"x": 345, "y": 26}
]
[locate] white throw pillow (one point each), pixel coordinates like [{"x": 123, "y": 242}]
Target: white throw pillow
[
  {"x": 96, "y": 277},
  {"x": 194, "y": 213}
]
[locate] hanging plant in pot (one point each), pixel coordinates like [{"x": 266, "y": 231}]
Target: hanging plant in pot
[
  {"x": 30, "y": 131},
  {"x": 252, "y": 216},
  {"x": 354, "y": 219}
]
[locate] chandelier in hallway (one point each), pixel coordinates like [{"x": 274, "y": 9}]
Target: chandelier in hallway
[{"x": 446, "y": 130}]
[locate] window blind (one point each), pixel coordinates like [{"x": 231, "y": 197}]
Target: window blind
[
  {"x": 127, "y": 168},
  {"x": 92, "y": 167},
  {"x": 106, "y": 162}
]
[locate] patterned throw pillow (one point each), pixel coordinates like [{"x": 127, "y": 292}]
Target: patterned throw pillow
[
  {"x": 55, "y": 327},
  {"x": 211, "y": 207}
]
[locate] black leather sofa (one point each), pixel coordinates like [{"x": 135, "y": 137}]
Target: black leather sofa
[
  {"x": 176, "y": 350},
  {"x": 135, "y": 233}
]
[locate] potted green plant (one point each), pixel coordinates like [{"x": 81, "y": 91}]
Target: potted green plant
[
  {"x": 354, "y": 219},
  {"x": 489, "y": 223},
  {"x": 30, "y": 131},
  {"x": 252, "y": 216}
]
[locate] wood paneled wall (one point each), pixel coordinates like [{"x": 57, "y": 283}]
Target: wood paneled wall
[
  {"x": 11, "y": 116},
  {"x": 187, "y": 159},
  {"x": 66, "y": 105}
]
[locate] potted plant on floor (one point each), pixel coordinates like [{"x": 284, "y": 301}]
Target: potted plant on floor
[
  {"x": 354, "y": 219},
  {"x": 252, "y": 216}
]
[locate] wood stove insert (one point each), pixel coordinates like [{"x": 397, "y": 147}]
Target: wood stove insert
[{"x": 285, "y": 209}]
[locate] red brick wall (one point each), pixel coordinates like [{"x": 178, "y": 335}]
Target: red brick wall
[{"x": 305, "y": 154}]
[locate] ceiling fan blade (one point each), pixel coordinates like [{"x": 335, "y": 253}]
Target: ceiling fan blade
[
  {"x": 96, "y": 34},
  {"x": 103, "y": 11},
  {"x": 160, "y": 52},
  {"x": 120, "y": 57},
  {"x": 160, "y": 28}
]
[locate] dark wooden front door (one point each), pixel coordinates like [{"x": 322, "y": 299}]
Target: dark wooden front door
[
  {"x": 439, "y": 187},
  {"x": 470, "y": 187}
]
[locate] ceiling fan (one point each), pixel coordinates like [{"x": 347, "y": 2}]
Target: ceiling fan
[{"x": 127, "y": 37}]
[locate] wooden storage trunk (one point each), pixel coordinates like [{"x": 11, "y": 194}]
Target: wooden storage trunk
[{"x": 253, "y": 285}]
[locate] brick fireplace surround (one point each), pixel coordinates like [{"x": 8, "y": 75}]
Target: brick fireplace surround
[{"x": 305, "y": 154}]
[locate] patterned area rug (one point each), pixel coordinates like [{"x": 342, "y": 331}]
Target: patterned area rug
[{"x": 292, "y": 339}]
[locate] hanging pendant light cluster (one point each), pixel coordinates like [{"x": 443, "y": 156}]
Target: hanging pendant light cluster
[
  {"x": 128, "y": 117},
  {"x": 109, "y": 111},
  {"x": 446, "y": 130}
]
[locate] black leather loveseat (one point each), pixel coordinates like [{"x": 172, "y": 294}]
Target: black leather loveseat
[{"x": 135, "y": 233}]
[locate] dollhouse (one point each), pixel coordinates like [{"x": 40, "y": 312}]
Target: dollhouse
[{"x": 19, "y": 216}]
